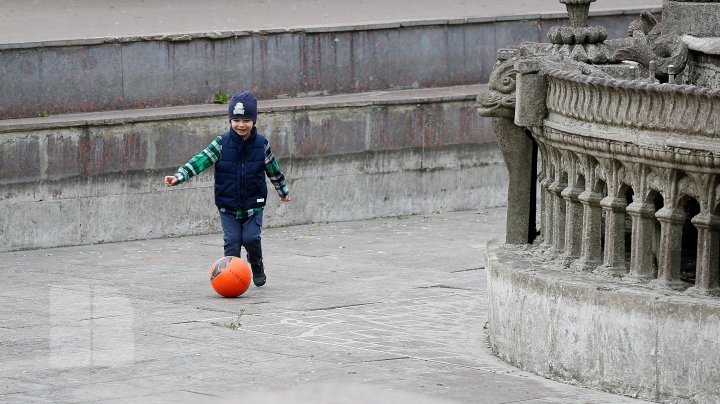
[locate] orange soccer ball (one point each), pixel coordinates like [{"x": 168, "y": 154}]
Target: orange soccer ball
[{"x": 230, "y": 276}]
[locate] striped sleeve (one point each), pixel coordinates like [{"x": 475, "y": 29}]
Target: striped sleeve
[
  {"x": 272, "y": 169},
  {"x": 201, "y": 161}
]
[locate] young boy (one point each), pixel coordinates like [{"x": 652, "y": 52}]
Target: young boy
[{"x": 242, "y": 158}]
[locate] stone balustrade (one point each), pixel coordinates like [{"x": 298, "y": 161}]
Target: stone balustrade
[
  {"x": 615, "y": 284},
  {"x": 685, "y": 109},
  {"x": 630, "y": 180}
]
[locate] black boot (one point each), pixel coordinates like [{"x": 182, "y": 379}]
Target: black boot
[{"x": 258, "y": 270}]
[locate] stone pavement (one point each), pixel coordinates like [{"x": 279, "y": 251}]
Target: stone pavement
[{"x": 382, "y": 311}]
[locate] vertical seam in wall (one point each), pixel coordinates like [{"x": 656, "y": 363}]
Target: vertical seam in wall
[
  {"x": 43, "y": 155},
  {"x": 93, "y": 326},
  {"x": 423, "y": 134},
  {"x": 368, "y": 129},
  {"x": 151, "y": 151},
  {"x": 122, "y": 75},
  {"x": 657, "y": 367},
  {"x": 598, "y": 332},
  {"x": 39, "y": 56},
  {"x": 291, "y": 143}
]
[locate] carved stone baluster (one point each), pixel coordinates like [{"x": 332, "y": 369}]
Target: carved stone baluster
[
  {"x": 642, "y": 267},
  {"x": 614, "y": 207},
  {"x": 573, "y": 223},
  {"x": 591, "y": 252},
  {"x": 546, "y": 210},
  {"x": 614, "y": 259},
  {"x": 542, "y": 182},
  {"x": 671, "y": 220},
  {"x": 707, "y": 271},
  {"x": 558, "y": 213},
  {"x": 546, "y": 207},
  {"x": 671, "y": 224},
  {"x": 573, "y": 211}
]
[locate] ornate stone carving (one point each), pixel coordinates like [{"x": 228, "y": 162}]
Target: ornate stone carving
[
  {"x": 664, "y": 107},
  {"x": 630, "y": 191},
  {"x": 499, "y": 100},
  {"x": 578, "y": 32},
  {"x": 669, "y": 52},
  {"x": 591, "y": 107}
]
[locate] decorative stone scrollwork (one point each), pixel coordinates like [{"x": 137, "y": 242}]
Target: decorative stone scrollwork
[
  {"x": 499, "y": 100},
  {"x": 649, "y": 44},
  {"x": 578, "y": 32},
  {"x": 664, "y": 107}
]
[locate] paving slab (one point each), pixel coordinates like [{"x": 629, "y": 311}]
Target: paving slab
[{"x": 381, "y": 310}]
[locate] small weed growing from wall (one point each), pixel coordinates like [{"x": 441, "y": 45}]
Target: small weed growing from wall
[
  {"x": 43, "y": 114},
  {"x": 221, "y": 97}
]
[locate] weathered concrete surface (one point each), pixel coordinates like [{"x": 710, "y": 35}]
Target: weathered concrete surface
[
  {"x": 346, "y": 158},
  {"x": 693, "y": 18},
  {"x": 73, "y": 19},
  {"x": 100, "y": 74},
  {"x": 581, "y": 328},
  {"x": 351, "y": 310}
]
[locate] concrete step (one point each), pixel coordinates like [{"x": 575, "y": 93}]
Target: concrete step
[
  {"x": 97, "y": 177},
  {"x": 310, "y": 103}
]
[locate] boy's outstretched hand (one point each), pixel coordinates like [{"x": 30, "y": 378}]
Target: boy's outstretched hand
[
  {"x": 286, "y": 198},
  {"x": 171, "y": 180}
]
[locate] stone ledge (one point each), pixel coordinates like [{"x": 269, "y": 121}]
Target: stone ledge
[
  {"x": 391, "y": 97},
  {"x": 710, "y": 46},
  {"x": 187, "y": 69},
  {"x": 180, "y": 37},
  {"x": 599, "y": 333},
  {"x": 102, "y": 181}
]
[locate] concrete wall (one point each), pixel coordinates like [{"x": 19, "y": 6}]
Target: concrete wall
[
  {"x": 98, "y": 178},
  {"x": 140, "y": 72},
  {"x": 622, "y": 338}
]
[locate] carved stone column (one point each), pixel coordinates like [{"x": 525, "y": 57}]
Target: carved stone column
[
  {"x": 546, "y": 208},
  {"x": 671, "y": 224},
  {"x": 707, "y": 271},
  {"x": 558, "y": 213},
  {"x": 614, "y": 259},
  {"x": 642, "y": 266},
  {"x": 591, "y": 251},
  {"x": 573, "y": 223},
  {"x": 517, "y": 150},
  {"x": 516, "y": 145}
]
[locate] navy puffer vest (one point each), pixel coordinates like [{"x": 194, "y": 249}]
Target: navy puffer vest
[{"x": 240, "y": 172}]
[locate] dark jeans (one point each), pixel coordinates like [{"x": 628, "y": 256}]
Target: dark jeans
[{"x": 242, "y": 233}]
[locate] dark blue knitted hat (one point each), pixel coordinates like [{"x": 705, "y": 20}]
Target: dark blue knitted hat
[{"x": 243, "y": 106}]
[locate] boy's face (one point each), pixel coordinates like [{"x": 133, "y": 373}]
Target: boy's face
[{"x": 242, "y": 126}]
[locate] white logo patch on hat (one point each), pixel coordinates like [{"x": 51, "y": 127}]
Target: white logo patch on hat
[{"x": 239, "y": 109}]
